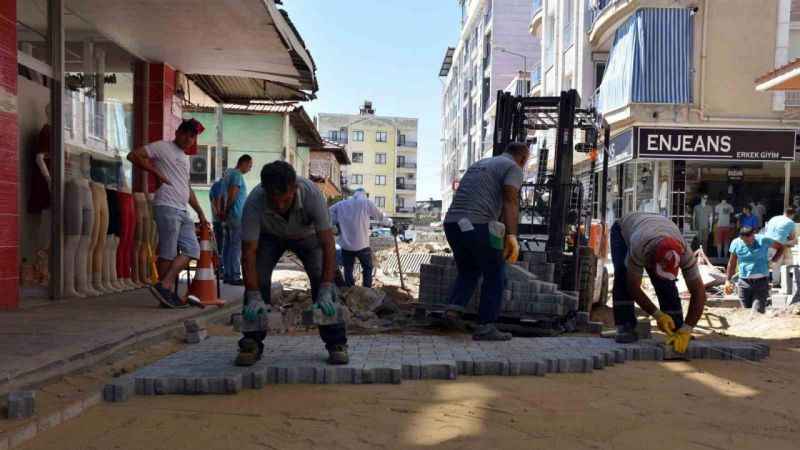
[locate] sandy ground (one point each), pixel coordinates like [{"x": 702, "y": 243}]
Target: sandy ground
[{"x": 638, "y": 405}]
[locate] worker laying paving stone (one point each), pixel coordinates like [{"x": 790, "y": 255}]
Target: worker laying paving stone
[{"x": 206, "y": 368}]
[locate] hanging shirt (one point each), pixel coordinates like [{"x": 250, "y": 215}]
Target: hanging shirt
[
  {"x": 723, "y": 212},
  {"x": 753, "y": 261},
  {"x": 173, "y": 163},
  {"x": 779, "y": 228},
  {"x": 352, "y": 216}
]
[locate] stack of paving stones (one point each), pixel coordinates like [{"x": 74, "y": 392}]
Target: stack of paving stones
[
  {"x": 208, "y": 368},
  {"x": 195, "y": 334},
  {"x": 526, "y": 293},
  {"x": 21, "y": 404}
]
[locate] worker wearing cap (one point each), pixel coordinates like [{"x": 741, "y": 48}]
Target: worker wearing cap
[
  {"x": 750, "y": 258},
  {"x": 781, "y": 229},
  {"x": 651, "y": 242}
]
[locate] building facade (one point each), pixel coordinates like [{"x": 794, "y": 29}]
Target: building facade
[
  {"x": 383, "y": 155},
  {"x": 327, "y": 167},
  {"x": 493, "y": 48}
]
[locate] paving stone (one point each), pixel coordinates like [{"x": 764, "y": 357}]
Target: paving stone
[
  {"x": 21, "y": 404},
  {"x": 207, "y": 368},
  {"x": 191, "y": 326},
  {"x": 196, "y": 337}
]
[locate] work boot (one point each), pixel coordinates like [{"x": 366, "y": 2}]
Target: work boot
[
  {"x": 249, "y": 353},
  {"x": 626, "y": 334},
  {"x": 337, "y": 355},
  {"x": 453, "y": 318},
  {"x": 489, "y": 332}
]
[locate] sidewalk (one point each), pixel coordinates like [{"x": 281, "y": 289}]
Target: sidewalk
[{"x": 51, "y": 339}]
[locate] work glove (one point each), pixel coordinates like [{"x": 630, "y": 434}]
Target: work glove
[
  {"x": 680, "y": 340},
  {"x": 327, "y": 298},
  {"x": 254, "y": 306},
  {"x": 728, "y": 288},
  {"x": 511, "y": 249},
  {"x": 665, "y": 322}
]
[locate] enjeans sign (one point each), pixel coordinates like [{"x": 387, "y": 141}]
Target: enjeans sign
[{"x": 730, "y": 144}]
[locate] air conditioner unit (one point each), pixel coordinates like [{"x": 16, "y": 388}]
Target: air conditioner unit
[{"x": 199, "y": 165}]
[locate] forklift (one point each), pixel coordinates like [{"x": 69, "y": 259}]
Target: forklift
[{"x": 554, "y": 218}]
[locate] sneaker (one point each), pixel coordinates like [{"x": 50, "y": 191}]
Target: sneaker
[
  {"x": 249, "y": 353},
  {"x": 489, "y": 332},
  {"x": 337, "y": 355},
  {"x": 166, "y": 297},
  {"x": 626, "y": 335}
]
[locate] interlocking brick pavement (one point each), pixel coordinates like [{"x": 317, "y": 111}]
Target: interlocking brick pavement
[{"x": 207, "y": 368}]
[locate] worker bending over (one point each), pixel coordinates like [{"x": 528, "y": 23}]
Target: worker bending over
[
  {"x": 644, "y": 241},
  {"x": 287, "y": 212},
  {"x": 352, "y": 216},
  {"x": 481, "y": 228}
]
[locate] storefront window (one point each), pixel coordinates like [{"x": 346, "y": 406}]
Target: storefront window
[{"x": 645, "y": 201}]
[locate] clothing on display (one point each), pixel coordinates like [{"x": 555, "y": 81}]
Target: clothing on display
[
  {"x": 39, "y": 196},
  {"x": 701, "y": 221},
  {"x": 127, "y": 221}
]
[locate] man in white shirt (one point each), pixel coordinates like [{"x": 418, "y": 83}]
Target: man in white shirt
[
  {"x": 352, "y": 216},
  {"x": 168, "y": 162}
]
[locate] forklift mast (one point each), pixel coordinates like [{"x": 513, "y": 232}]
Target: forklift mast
[{"x": 517, "y": 119}]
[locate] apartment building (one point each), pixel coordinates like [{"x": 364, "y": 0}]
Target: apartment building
[
  {"x": 383, "y": 155},
  {"x": 493, "y": 48},
  {"x": 686, "y": 118}
]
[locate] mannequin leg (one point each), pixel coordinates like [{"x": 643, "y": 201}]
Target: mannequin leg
[
  {"x": 123, "y": 270},
  {"x": 70, "y": 258},
  {"x": 85, "y": 244},
  {"x": 99, "y": 245},
  {"x": 73, "y": 221},
  {"x": 111, "y": 262}
]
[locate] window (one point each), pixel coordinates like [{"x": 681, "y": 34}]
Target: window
[
  {"x": 567, "y": 24},
  {"x": 380, "y": 202},
  {"x": 203, "y": 165},
  {"x": 401, "y": 161},
  {"x": 401, "y": 140},
  {"x": 380, "y": 180},
  {"x": 401, "y": 202},
  {"x": 380, "y": 158},
  {"x": 358, "y": 179},
  {"x": 381, "y": 136},
  {"x": 358, "y": 136},
  {"x": 599, "y": 70},
  {"x": 401, "y": 182},
  {"x": 333, "y": 135},
  {"x": 358, "y": 157}
]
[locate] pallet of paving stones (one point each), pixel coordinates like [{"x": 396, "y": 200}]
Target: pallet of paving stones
[{"x": 207, "y": 368}]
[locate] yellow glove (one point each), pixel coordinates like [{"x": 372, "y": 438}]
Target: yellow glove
[
  {"x": 680, "y": 340},
  {"x": 728, "y": 288},
  {"x": 511, "y": 249},
  {"x": 665, "y": 322}
]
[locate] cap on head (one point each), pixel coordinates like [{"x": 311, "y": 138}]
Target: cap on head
[
  {"x": 746, "y": 231},
  {"x": 668, "y": 258},
  {"x": 191, "y": 126}
]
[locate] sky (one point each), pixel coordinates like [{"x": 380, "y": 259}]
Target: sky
[{"x": 386, "y": 51}]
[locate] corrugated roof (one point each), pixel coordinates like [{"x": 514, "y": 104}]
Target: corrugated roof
[
  {"x": 791, "y": 65},
  {"x": 338, "y": 150}
]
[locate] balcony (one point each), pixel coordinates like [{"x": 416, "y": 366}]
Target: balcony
[
  {"x": 537, "y": 14},
  {"x": 406, "y": 186},
  {"x": 606, "y": 16},
  {"x": 406, "y": 165},
  {"x": 408, "y": 144},
  {"x": 404, "y": 210}
]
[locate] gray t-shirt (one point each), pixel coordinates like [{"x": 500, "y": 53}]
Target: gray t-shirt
[
  {"x": 479, "y": 197},
  {"x": 173, "y": 163},
  {"x": 642, "y": 232},
  {"x": 307, "y": 216}
]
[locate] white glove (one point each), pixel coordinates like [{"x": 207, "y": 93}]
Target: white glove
[{"x": 327, "y": 298}]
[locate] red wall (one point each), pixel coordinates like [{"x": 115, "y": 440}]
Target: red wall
[{"x": 9, "y": 158}]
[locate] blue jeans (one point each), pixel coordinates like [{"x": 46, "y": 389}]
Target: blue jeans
[
  {"x": 219, "y": 239},
  {"x": 624, "y": 309},
  {"x": 364, "y": 258},
  {"x": 475, "y": 257},
  {"x": 232, "y": 253}
]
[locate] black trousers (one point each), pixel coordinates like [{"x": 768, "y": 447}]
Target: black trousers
[
  {"x": 309, "y": 250},
  {"x": 752, "y": 290}
]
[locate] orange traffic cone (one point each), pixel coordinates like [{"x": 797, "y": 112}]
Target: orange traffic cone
[{"x": 203, "y": 290}]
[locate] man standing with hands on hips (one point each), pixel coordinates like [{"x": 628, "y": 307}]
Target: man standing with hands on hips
[
  {"x": 481, "y": 228},
  {"x": 169, "y": 163}
]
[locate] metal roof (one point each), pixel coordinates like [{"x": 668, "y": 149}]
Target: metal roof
[
  {"x": 338, "y": 151},
  {"x": 447, "y": 62}
]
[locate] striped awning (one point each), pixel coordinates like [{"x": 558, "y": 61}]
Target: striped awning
[{"x": 650, "y": 61}]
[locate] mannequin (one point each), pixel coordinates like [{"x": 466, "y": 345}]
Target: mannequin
[
  {"x": 701, "y": 220},
  {"x": 73, "y": 226},
  {"x": 724, "y": 227},
  {"x": 112, "y": 239},
  {"x": 127, "y": 227},
  {"x": 140, "y": 239},
  {"x": 39, "y": 199},
  {"x": 754, "y": 210},
  {"x": 86, "y": 207},
  {"x": 99, "y": 236}
]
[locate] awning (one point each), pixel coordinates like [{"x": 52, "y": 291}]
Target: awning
[
  {"x": 235, "y": 50},
  {"x": 784, "y": 78},
  {"x": 650, "y": 61}
]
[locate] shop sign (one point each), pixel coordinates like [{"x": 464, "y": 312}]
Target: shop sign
[
  {"x": 735, "y": 174},
  {"x": 717, "y": 144},
  {"x": 621, "y": 148}
]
